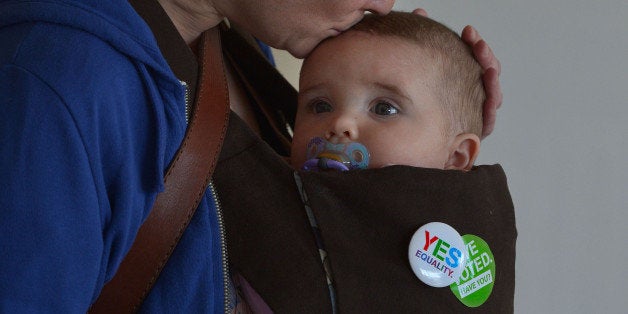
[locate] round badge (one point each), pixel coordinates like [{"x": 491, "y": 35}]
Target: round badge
[
  {"x": 478, "y": 277},
  {"x": 437, "y": 254}
]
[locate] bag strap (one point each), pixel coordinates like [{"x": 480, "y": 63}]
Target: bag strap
[
  {"x": 185, "y": 184},
  {"x": 273, "y": 94}
]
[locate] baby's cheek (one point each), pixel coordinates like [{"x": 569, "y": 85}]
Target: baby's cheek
[
  {"x": 391, "y": 157},
  {"x": 385, "y": 156},
  {"x": 297, "y": 153}
]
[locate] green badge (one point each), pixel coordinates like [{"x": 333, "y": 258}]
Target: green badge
[{"x": 477, "y": 279}]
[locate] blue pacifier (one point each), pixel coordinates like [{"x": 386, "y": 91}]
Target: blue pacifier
[{"x": 323, "y": 155}]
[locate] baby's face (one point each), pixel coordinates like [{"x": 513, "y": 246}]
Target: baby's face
[{"x": 376, "y": 91}]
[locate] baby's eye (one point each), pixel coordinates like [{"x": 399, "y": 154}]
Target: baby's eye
[
  {"x": 320, "y": 106},
  {"x": 383, "y": 108}
]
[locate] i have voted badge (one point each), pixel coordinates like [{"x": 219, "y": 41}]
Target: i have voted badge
[{"x": 437, "y": 254}]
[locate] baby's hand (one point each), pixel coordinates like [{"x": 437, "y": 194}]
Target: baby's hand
[{"x": 491, "y": 67}]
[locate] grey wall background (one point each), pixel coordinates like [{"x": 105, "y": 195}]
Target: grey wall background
[{"x": 561, "y": 136}]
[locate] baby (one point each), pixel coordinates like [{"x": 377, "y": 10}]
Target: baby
[{"x": 399, "y": 89}]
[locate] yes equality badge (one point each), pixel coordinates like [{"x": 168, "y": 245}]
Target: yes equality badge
[{"x": 437, "y": 254}]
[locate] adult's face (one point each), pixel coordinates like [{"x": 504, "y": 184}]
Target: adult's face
[{"x": 298, "y": 25}]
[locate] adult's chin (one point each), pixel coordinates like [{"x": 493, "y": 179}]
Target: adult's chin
[
  {"x": 303, "y": 48},
  {"x": 301, "y": 51}
]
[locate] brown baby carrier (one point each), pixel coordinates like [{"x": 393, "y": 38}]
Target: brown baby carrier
[{"x": 364, "y": 219}]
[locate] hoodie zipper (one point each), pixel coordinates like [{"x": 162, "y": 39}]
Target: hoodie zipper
[
  {"x": 221, "y": 224},
  {"x": 223, "y": 248},
  {"x": 187, "y": 101}
]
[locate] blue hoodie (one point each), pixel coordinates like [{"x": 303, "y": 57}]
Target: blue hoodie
[{"x": 90, "y": 117}]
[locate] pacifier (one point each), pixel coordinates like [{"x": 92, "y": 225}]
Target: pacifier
[{"x": 324, "y": 155}]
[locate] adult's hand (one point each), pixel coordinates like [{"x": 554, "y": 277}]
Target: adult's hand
[{"x": 491, "y": 68}]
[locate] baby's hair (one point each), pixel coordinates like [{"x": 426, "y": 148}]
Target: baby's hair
[{"x": 460, "y": 84}]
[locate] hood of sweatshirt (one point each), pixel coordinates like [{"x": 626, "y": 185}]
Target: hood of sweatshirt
[{"x": 113, "y": 21}]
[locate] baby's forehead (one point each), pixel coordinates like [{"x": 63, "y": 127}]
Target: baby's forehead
[
  {"x": 355, "y": 50},
  {"x": 358, "y": 41},
  {"x": 370, "y": 37}
]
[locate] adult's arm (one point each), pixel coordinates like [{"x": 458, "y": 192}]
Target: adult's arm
[
  {"x": 80, "y": 162},
  {"x": 52, "y": 244}
]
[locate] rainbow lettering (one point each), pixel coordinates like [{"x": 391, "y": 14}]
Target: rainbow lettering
[{"x": 434, "y": 259}]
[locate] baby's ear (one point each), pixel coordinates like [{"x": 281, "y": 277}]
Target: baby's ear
[{"x": 463, "y": 151}]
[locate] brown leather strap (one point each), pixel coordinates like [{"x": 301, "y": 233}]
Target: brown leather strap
[{"x": 185, "y": 184}]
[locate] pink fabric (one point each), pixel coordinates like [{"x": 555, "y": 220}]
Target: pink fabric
[{"x": 249, "y": 296}]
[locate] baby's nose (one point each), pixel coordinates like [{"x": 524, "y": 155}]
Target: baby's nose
[{"x": 342, "y": 129}]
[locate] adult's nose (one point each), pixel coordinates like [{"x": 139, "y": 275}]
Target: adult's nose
[{"x": 381, "y": 7}]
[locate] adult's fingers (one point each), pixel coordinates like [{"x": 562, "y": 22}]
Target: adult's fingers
[
  {"x": 492, "y": 69},
  {"x": 483, "y": 53},
  {"x": 493, "y": 100},
  {"x": 419, "y": 11}
]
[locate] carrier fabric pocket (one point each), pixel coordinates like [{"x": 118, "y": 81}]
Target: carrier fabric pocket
[
  {"x": 269, "y": 241},
  {"x": 366, "y": 219}
]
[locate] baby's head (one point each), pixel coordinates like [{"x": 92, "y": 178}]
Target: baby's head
[{"x": 402, "y": 85}]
